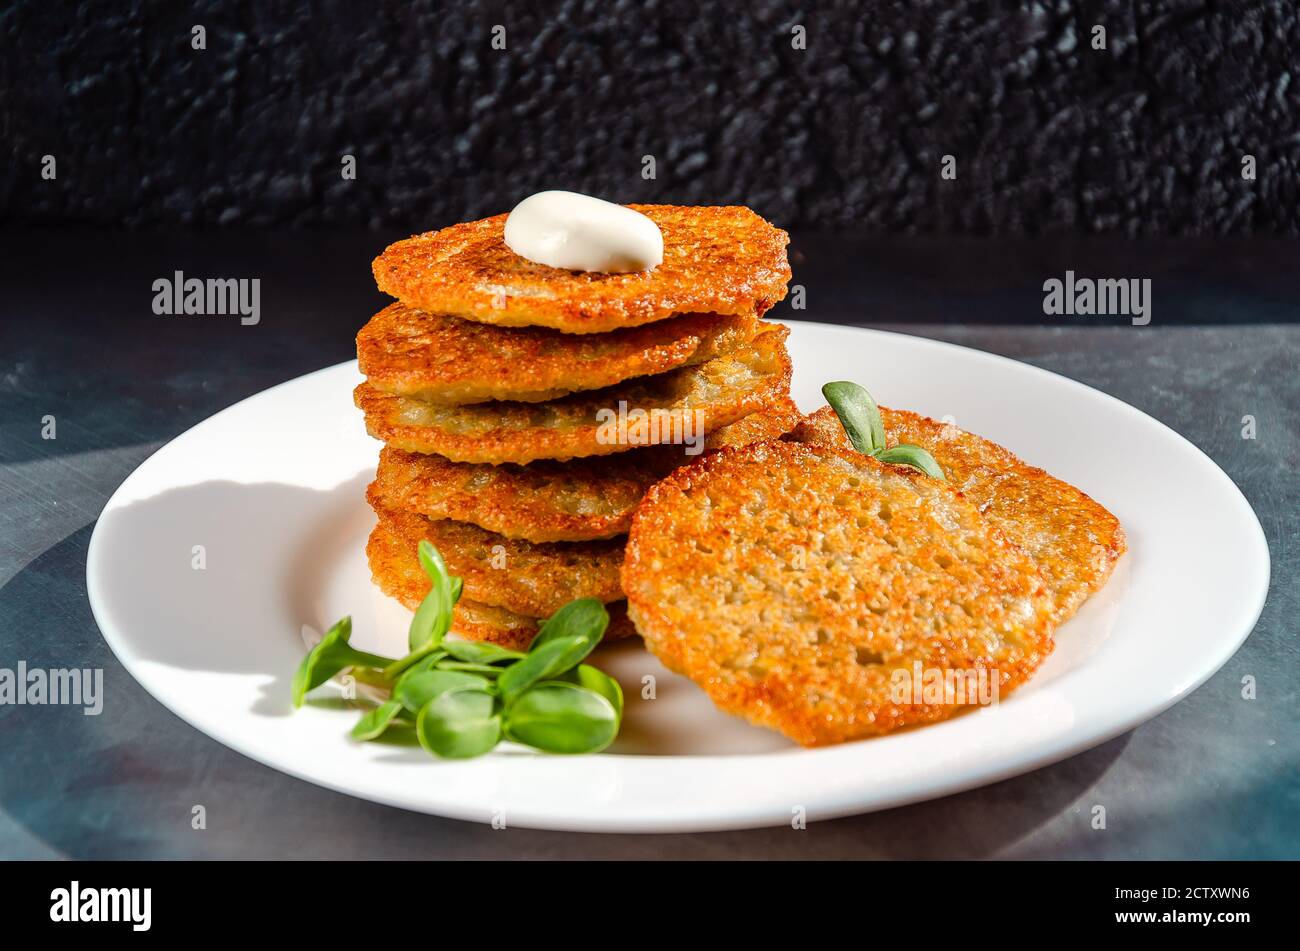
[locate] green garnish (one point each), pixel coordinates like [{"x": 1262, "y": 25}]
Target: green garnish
[
  {"x": 479, "y": 652},
  {"x": 374, "y": 723},
  {"x": 544, "y": 662},
  {"x": 332, "y": 655},
  {"x": 460, "y": 724},
  {"x": 416, "y": 691},
  {"x": 433, "y": 616},
  {"x": 560, "y": 717},
  {"x": 584, "y": 675},
  {"x": 464, "y": 697},
  {"x": 860, "y": 417},
  {"x": 906, "y": 454}
]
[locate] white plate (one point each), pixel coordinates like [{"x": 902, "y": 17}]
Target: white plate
[{"x": 272, "y": 490}]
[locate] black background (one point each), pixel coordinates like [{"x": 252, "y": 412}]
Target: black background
[{"x": 1145, "y": 137}]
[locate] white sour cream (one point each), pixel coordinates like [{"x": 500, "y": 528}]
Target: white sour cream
[{"x": 581, "y": 233}]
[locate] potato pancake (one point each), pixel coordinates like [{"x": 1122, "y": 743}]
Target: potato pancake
[
  {"x": 443, "y": 359},
  {"x": 796, "y": 584},
  {"x": 717, "y": 260},
  {"x": 714, "y": 393}
]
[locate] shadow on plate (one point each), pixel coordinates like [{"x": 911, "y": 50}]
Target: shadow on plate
[{"x": 223, "y": 576}]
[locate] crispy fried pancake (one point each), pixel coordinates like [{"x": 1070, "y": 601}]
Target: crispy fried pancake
[
  {"x": 397, "y": 572},
  {"x": 579, "y": 500},
  {"x": 1074, "y": 541},
  {"x": 448, "y": 360},
  {"x": 724, "y": 390},
  {"x": 792, "y": 582},
  {"x": 723, "y": 260},
  {"x": 771, "y": 422},
  {"x": 529, "y": 579}
]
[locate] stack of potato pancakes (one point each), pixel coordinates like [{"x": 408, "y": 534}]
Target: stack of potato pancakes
[{"x": 526, "y": 410}]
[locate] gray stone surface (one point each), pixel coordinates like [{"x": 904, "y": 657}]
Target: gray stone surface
[
  {"x": 1215, "y": 776},
  {"x": 1049, "y": 134}
]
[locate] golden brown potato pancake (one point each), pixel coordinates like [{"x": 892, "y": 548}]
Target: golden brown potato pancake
[
  {"x": 545, "y": 501},
  {"x": 443, "y": 359},
  {"x": 396, "y": 570},
  {"x": 717, "y": 260},
  {"x": 1074, "y": 541},
  {"x": 526, "y": 578},
  {"x": 794, "y": 582},
  {"x": 723, "y": 390}
]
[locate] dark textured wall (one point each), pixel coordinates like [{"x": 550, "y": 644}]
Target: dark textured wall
[{"x": 1144, "y": 137}]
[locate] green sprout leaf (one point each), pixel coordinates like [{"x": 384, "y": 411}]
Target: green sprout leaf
[
  {"x": 432, "y": 618},
  {"x": 560, "y": 717},
  {"x": 423, "y": 633},
  {"x": 487, "y": 670},
  {"x": 459, "y": 724},
  {"x": 477, "y": 652},
  {"x": 414, "y": 691},
  {"x": 593, "y": 678},
  {"x": 914, "y": 456},
  {"x": 457, "y": 693},
  {"x": 371, "y": 676},
  {"x": 859, "y": 415},
  {"x": 330, "y": 656},
  {"x": 542, "y": 663},
  {"x": 586, "y": 618},
  {"x": 423, "y": 659},
  {"x": 432, "y": 563},
  {"x": 376, "y": 721}
]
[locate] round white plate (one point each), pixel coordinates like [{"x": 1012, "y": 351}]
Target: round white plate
[{"x": 220, "y": 552}]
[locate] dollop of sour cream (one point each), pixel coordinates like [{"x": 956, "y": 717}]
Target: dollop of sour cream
[{"x": 580, "y": 233}]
